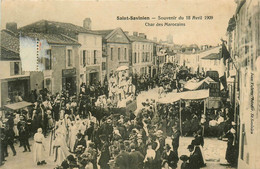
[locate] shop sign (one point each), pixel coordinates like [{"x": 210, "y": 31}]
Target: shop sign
[
  {"x": 214, "y": 89},
  {"x": 69, "y": 72},
  {"x": 252, "y": 101}
]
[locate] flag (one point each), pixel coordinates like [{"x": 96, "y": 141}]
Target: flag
[{"x": 224, "y": 55}]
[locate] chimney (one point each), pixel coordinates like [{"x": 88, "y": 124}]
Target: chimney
[
  {"x": 11, "y": 26},
  {"x": 87, "y": 23},
  {"x": 142, "y": 35},
  {"x": 126, "y": 32},
  {"x": 135, "y": 33},
  {"x": 155, "y": 39}
]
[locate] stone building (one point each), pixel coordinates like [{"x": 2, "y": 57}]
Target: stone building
[
  {"x": 13, "y": 81},
  {"x": 84, "y": 46},
  {"x": 244, "y": 47},
  {"x": 116, "y": 49},
  {"x": 142, "y": 54}
]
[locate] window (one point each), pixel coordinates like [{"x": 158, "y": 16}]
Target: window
[
  {"x": 111, "y": 54},
  {"x": 16, "y": 68},
  {"x": 48, "y": 84},
  {"x": 118, "y": 53},
  {"x": 147, "y": 56},
  {"x": 84, "y": 58},
  {"x": 135, "y": 55},
  {"x": 88, "y": 58},
  {"x": 95, "y": 57},
  {"x": 48, "y": 60},
  {"x": 69, "y": 61},
  {"x": 125, "y": 53},
  {"x": 143, "y": 59},
  {"x": 103, "y": 65},
  {"x": 143, "y": 46}
]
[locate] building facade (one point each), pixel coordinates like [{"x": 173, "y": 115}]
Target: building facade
[
  {"x": 90, "y": 58},
  {"x": 61, "y": 68},
  {"x": 142, "y": 54},
  {"x": 116, "y": 50},
  {"x": 245, "y": 51},
  {"x": 13, "y": 81}
]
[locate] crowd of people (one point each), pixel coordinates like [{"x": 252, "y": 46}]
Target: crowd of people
[{"x": 83, "y": 135}]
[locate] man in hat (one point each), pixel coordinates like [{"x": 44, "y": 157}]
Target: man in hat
[
  {"x": 231, "y": 151},
  {"x": 24, "y": 136},
  {"x": 170, "y": 156},
  {"x": 10, "y": 139},
  {"x": 80, "y": 142},
  {"x": 107, "y": 129},
  {"x": 175, "y": 139},
  {"x": 122, "y": 159},
  {"x": 105, "y": 155},
  {"x": 136, "y": 157},
  {"x": 3, "y": 143}
]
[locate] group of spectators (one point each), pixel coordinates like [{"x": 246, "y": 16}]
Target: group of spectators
[
  {"x": 83, "y": 138},
  {"x": 84, "y": 135}
]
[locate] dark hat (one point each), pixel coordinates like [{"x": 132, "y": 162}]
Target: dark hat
[
  {"x": 102, "y": 136},
  {"x": 184, "y": 157},
  {"x": 190, "y": 146}
]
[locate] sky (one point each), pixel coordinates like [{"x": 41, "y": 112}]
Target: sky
[{"x": 104, "y": 16}]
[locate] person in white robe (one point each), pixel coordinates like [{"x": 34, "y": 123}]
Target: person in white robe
[
  {"x": 60, "y": 148},
  {"x": 72, "y": 136},
  {"x": 39, "y": 147},
  {"x": 16, "y": 120}
]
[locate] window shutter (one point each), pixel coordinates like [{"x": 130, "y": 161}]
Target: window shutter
[
  {"x": 98, "y": 57},
  {"x": 92, "y": 57},
  {"x": 81, "y": 58},
  {"x": 11, "y": 68},
  {"x": 20, "y": 67}
]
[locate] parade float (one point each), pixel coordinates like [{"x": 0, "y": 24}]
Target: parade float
[{"x": 122, "y": 97}]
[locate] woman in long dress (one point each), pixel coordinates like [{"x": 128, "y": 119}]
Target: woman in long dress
[{"x": 39, "y": 147}]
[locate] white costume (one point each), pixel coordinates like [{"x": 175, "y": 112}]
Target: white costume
[
  {"x": 72, "y": 137},
  {"x": 16, "y": 120},
  {"x": 150, "y": 153},
  {"x": 38, "y": 146},
  {"x": 61, "y": 149}
]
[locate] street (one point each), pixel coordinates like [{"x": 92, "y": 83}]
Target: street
[{"x": 214, "y": 149}]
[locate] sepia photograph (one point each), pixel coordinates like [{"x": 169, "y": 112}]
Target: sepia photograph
[{"x": 128, "y": 84}]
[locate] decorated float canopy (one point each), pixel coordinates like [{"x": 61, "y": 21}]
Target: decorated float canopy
[
  {"x": 17, "y": 106},
  {"x": 189, "y": 95},
  {"x": 203, "y": 84}
]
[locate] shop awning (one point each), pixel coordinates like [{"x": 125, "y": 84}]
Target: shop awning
[
  {"x": 19, "y": 105},
  {"x": 189, "y": 95}
]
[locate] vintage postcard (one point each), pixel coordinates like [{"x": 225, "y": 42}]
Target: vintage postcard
[{"x": 128, "y": 84}]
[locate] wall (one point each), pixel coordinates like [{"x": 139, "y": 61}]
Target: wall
[
  {"x": 90, "y": 43},
  {"x": 59, "y": 62},
  {"x": 137, "y": 47},
  {"x": 247, "y": 49},
  {"x": 112, "y": 65}
]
